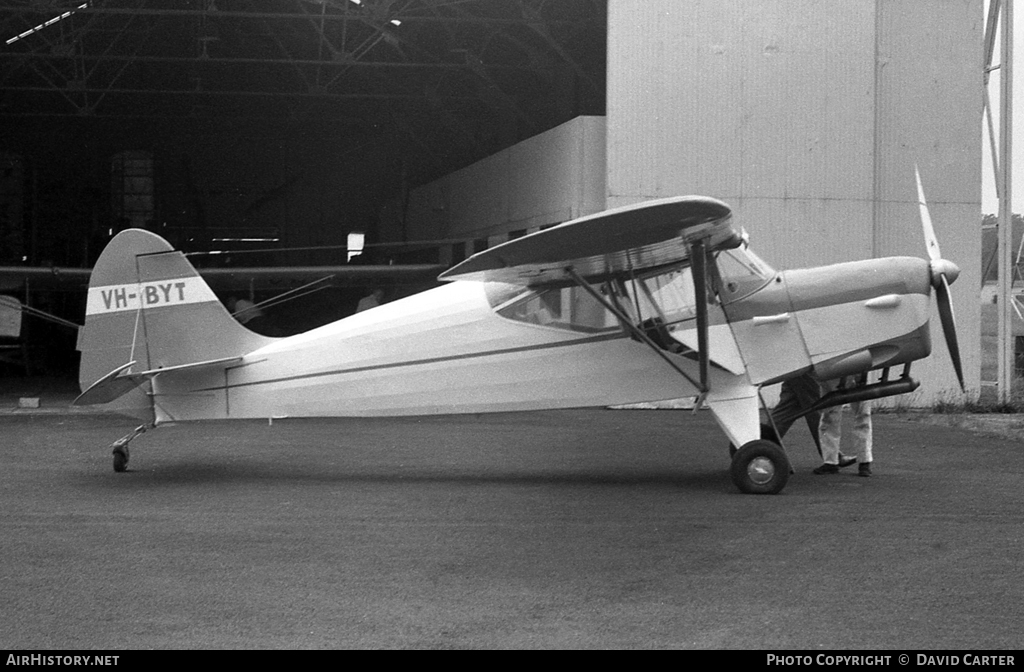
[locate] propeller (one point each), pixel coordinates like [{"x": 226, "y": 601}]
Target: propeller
[{"x": 943, "y": 272}]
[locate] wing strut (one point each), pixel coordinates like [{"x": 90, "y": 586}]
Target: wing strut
[
  {"x": 638, "y": 333},
  {"x": 698, "y": 267}
]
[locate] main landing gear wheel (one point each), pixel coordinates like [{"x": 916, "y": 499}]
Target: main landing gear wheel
[{"x": 760, "y": 468}]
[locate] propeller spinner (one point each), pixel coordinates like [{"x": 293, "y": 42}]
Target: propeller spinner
[{"x": 944, "y": 272}]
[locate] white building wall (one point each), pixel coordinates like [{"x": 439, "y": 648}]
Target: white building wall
[
  {"x": 807, "y": 116},
  {"x": 550, "y": 178}
]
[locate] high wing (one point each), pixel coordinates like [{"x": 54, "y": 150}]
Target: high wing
[{"x": 631, "y": 238}]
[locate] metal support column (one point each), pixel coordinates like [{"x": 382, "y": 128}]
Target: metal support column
[{"x": 1006, "y": 262}]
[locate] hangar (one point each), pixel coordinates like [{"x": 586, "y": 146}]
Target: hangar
[{"x": 440, "y": 127}]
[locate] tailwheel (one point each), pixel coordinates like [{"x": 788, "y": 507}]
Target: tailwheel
[
  {"x": 121, "y": 449},
  {"x": 760, "y": 468},
  {"x": 121, "y": 458}
]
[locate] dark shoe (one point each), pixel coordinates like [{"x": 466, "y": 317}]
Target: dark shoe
[
  {"x": 864, "y": 469},
  {"x": 827, "y": 469},
  {"x": 845, "y": 461}
]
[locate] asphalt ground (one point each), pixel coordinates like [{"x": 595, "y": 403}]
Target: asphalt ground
[{"x": 587, "y": 529}]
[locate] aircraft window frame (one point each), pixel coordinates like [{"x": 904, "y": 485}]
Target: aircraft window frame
[
  {"x": 686, "y": 300},
  {"x": 732, "y": 284},
  {"x": 631, "y": 305},
  {"x": 500, "y": 294},
  {"x": 566, "y": 307}
]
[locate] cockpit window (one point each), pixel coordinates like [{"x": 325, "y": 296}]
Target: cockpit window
[
  {"x": 571, "y": 307},
  {"x": 672, "y": 295},
  {"x": 500, "y": 293},
  {"x": 668, "y": 295}
]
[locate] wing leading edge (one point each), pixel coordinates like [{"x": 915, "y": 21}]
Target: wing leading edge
[{"x": 630, "y": 238}]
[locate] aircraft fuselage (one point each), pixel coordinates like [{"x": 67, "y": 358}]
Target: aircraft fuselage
[
  {"x": 449, "y": 350},
  {"x": 442, "y": 351}
]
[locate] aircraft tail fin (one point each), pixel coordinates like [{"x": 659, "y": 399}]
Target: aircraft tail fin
[{"x": 148, "y": 305}]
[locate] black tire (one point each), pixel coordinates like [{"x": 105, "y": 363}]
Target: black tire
[
  {"x": 121, "y": 459},
  {"x": 767, "y": 433},
  {"x": 760, "y": 468}
]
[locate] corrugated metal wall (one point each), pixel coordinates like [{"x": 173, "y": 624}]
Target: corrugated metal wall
[{"x": 808, "y": 116}]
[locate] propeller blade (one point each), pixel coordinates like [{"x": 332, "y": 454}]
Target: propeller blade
[
  {"x": 945, "y": 303},
  {"x": 930, "y": 241},
  {"x": 943, "y": 272}
]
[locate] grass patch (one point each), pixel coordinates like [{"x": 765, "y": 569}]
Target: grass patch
[
  {"x": 987, "y": 401},
  {"x": 961, "y": 405}
]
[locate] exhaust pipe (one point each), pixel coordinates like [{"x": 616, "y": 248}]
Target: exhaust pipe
[{"x": 887, "y": 388}]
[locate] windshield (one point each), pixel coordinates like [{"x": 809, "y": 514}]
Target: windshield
[{"x": 740, "y": 273}]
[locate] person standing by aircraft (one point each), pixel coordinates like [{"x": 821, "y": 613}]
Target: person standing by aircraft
[
  {"x": 798, "y": 394},
  {"x": 832, "y": 432}
]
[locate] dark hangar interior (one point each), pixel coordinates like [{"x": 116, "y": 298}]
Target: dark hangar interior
[{"x": 242, "y": 125}]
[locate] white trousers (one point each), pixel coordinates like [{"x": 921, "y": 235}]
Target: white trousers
[{"x": 832, "y": 430}]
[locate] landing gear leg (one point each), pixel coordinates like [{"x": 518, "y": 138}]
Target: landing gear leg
[
  {"x": 767, "y": 433},
  {"x": 120, "y": 448},
  {"x": 760, "y": 466}
]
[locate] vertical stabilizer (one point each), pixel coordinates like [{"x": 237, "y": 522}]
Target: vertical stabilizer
[{"x": 147, "y": 304}]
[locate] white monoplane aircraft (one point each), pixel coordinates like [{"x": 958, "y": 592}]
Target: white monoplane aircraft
[{"x": 659, "y": 300}]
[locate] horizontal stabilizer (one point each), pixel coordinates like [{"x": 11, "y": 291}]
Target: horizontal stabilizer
[
  {"x": 108, "y": 388},
  {"x": 118, "y": 382}
]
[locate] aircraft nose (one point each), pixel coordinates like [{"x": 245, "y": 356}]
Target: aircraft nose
[{"x": 944, "y": 268}]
